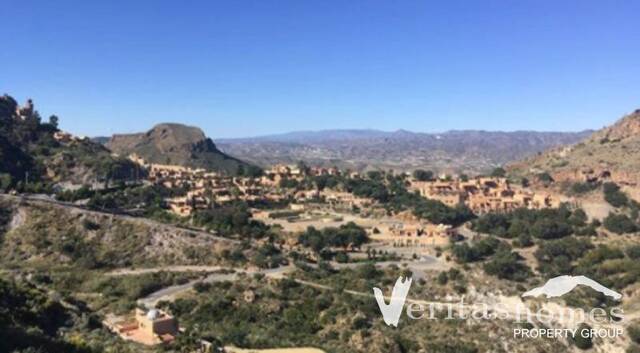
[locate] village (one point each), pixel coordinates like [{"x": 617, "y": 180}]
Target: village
[{"x": 306, "y": 205}]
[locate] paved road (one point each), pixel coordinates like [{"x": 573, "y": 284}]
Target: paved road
[{"x": 170, "y": 293}]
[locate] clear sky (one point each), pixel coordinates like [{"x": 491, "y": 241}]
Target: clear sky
[{"x": 244, "y": 68}]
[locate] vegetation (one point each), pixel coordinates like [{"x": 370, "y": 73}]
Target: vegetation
[
  {"x": 231, "y": 220},
  {"x": 619, "y": 223},
  {"x": 346, "y": 236},
  {"x": 581, "y": 342},
  {"x": 579, "y": 188},
  {"x": 541, "y": 224},
  {"x": 556, "y": 257},
  {"x": 478, "y": 251},
  {"x": 634, "y": 333},
  {"x": 614, "y": 196},
  {"x": 498, "y": 172},
  {"x": 507, "y": 264},
  {"x": 30, "y": 320},
  {"x": 30, "y": 153},
  {"x": 422, "y": 175}
]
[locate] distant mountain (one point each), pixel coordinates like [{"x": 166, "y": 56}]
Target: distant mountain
[
  {"x": 101, "y": 139},
  {"x": 466, "y": 151},
  {"x": 612, "y": 153},
  {"x": 175, "y": 144}
]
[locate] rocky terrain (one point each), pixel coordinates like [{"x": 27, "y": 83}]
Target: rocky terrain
[
  {"x": 41, "y": 234},
  {"x": 612, "y": 153},
  {"x": 36, "y": 154},
  {"x": 175, "y": 144},
  {"x": 467, "y": 151}
]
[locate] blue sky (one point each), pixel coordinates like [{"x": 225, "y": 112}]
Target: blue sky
[{"x": 243, "y": 68}]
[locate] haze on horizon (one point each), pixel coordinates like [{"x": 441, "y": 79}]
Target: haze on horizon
[{"x": 251, "y": 68}]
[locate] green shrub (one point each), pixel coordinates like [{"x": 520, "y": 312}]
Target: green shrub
[
  {"x": 583, "y": 343},
  {"x": 614, "y": 196},
  {"x": 620, "y": 224},
  {"x": 634, "y": 333}
]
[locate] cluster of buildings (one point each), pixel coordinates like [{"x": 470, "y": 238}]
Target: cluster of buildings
[
  {"x": 205, "y": 189},
  {"x": 483, "y": 194},
  {"x": 415, "y": 234}
]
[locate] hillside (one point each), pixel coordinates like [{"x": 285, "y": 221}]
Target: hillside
[
  {"x": 35, "y": 155},
  {"x": 40, "y": 234},
  {"x": 175, "y": 144},
  {"x": 453, "y": 151},
  {"x": 612, "y": 153}
]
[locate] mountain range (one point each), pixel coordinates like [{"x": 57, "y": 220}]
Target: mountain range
[{"x": 464, "y": 151}]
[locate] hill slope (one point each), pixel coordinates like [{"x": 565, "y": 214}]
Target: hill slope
[
  {"x": 175, "y": 144},
  {"x": 611, "y": 153},
  {"x": 457, "y": 151},
  {"x": 31, "y": 157}
]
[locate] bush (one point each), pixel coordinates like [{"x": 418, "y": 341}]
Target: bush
[
  {"x": 543, "y": 224},
  {"x": 555, "y": 256},
  {"x": 582, "y": 342},
  {"x": 545, "y": 178},
  {"x": 498, "y": 172},
  {"x": 620, "y": 224},
  {"x": 582, "y": 188},
  {"x": 633, "y": 348},
  {"x": 634, "y": 333},
  {"x": 614, "y": 196},
  {"x": 633, "y": 252},
  {"x": 442, "y": 278},
  {"x": 342, "y": 257},
  {"x": 480, "y": 250},
  {"x": 507, "y": 265}
]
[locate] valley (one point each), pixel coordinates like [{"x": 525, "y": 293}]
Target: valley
[{"x": 214, "y": 254}]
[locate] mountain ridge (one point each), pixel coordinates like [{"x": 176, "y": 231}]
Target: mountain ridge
[{"x": 466, "y": 151}]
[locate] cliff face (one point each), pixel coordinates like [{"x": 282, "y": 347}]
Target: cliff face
[
  {"x": 175, "y": 144},
  {"x": 612, "y": 153}
]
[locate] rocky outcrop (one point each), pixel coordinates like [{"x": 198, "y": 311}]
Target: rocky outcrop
[{"x": 175, "y": 144}]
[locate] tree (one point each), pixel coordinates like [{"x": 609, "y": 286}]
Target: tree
[
  {"x": 549, "y": 229},
  {"x": 498, "y": 172},
  {"x": 53, "y": 121},
  {"x": 422, "y": 175}
]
